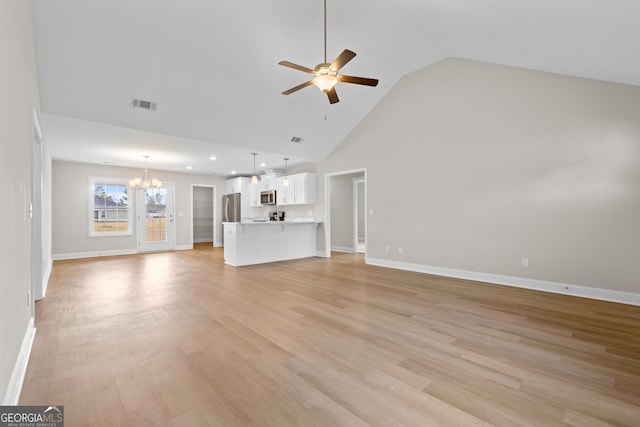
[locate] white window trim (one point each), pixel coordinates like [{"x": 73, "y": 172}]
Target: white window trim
[{"x": 130, "y": 206}]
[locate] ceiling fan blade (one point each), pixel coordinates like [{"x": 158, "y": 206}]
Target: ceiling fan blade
[
  {"x": 300, "y": 86},
  {"x": 333, "y": 96},
  {"x": 359, "y": 80},
  {"x": 296, "y": 66},
  {"x": 342, "y": 59}
]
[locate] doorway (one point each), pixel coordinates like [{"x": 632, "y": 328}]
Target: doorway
[
  {"x": 203, "y": 218},
  {"x": 345, "y": 215},
  {"x": 156, "y": 219}
]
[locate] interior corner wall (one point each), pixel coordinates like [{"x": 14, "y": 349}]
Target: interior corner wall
[
  {"x": 20, "y": 96},
  {"x": 474, "y": 166},
  {"x": 70, "y": 207}
]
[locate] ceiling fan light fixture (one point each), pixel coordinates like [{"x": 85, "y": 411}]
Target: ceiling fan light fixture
[{"x": 325, "y": 79}]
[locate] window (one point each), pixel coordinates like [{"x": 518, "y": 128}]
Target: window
[{"x": 109, "y": 212}]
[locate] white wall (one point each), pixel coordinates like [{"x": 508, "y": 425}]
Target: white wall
[
  {"x": 70, "y": 207},
  {"x": 19, "y": 96},
  {"x": 492, "y": 164}
]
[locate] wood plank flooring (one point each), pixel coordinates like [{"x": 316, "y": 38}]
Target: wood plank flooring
[{"x": 180, "y": 339}]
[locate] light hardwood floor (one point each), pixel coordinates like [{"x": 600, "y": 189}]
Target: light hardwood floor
[{"x": 181, "y": 339}]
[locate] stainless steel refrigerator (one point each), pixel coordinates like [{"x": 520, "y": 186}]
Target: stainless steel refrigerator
[
  {"x": 231, "y": 211},
  {"x": 231, "y": 208}
]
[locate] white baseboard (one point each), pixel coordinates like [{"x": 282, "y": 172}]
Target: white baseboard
[
  {"x": 45, "y": 279},
  {"x": 203, "y": 240},
  {"x": 12, "y": 396},
  {"x": 342, "y": 249},
  {"x": 518, "y": 282},
  {"x": 218, "y": 245},
  {"x": 93, "y": 254}
]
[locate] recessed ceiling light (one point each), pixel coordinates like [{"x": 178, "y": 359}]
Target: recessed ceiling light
[
  {"x": 263, "y": 164},
  {"x": 233, "y": 172},
  {"x": 212, "y": 158},
  {"x": 189, "y": 167}
]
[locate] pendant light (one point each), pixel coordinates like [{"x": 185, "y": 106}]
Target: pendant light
[
  {"x": 144, "y": 183},
  {"x": 285, "y": 183},
  {"x": 254, "y": 178}
]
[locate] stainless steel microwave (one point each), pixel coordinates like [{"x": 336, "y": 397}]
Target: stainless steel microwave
[{"x": 268, "y": 197}]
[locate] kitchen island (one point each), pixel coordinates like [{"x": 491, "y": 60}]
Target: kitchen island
[{"x": 247, "y": 243}]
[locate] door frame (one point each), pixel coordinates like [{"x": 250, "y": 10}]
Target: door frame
[
  {"x": 327, "y": 208},
  {"x": 172, "y": 213}
]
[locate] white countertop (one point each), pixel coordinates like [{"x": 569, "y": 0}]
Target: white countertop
[{"x": 286, "y": 221}]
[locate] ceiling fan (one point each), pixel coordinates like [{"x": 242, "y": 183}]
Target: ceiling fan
[{"x": 326, "y": 74}]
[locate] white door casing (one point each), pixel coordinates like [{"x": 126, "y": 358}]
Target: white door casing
[{"x": 38, "y": 289}]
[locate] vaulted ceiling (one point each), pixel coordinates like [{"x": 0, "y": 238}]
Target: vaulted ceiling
[{"x": 212, "y": 68}]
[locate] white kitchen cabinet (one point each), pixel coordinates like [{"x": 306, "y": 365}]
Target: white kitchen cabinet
[
  {"x": 267, "y": 183},
  {"x": 235, "y": 185},
  {"x": 300, "y": 191},
  {"x": 255, "y": 194},
  {"x": 304, "y": 187},
  {"x": 282, "y": 192}
]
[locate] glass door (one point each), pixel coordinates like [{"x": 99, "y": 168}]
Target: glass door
[{"x": 156, "y": 225}]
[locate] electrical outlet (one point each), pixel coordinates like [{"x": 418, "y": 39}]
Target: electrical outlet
[
  {"x": 386, "y": 248},
  {"x": 400, "y": 250},
  {"x": 28, "y": 298},
  {"x": 525, "y": 262}
]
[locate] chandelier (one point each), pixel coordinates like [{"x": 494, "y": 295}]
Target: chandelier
[{"x": 144, "y": 183}]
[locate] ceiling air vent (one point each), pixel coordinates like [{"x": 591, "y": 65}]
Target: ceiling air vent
[
  {"x": 296, "y": 139},
  {"x": 145, "y": 105}
]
